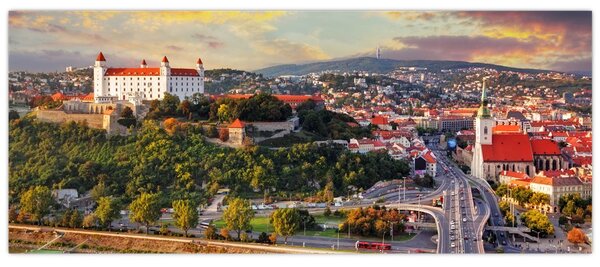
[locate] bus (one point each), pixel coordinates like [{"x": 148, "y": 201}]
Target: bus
[{"x": 372, "y": 245}]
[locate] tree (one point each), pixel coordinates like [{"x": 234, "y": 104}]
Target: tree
[
  {"x": 13, "y": 115},
  {"x": 538, "y": 198},
  {"x": 12, "y": 214},
  {"x": 285, "y": 222},
  {"x": 537, "y": 222},
  {"x": 127, "y": 112},
  {"x": 225, "y": 234},
  {"x": 168, "y": 105},
  {"x": 36, "y": 202},
  {"x": 98, "y": 191},
  {"x": 223, "y": 134},
  {"x": 185, "y": 215},
  {"x": 273, "y": 238},
  {"x": 107, "y": 211},
  {"x": 145, "y": 209},
  {"x": 576, "y": 236},
  {"x": 501, "y": 190},
  {"x": 238, "y": 214},
  {"x": 90, "y": 221},
  {"x": 75, "y": 220}
]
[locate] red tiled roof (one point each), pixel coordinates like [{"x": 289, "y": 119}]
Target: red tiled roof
[
  {"x": 518, "y": 175},
  {"x": 521, "y": 182},
  {"x": 149, "y": 72},
  {"x": 541, "y": 180},
  {"x": 184, "y": 72},
  {"x": 132, "y": 72},
  {"x": 237, "y": 124},
  {"x": 284, "y": 98},
  {"x": 429, "y": 158},
  {"x": 508, "y": 148},
  {"x": 100, "y": 57},
  {"x": 379, "y": 120},
  {"x": 506, "y": 129},
  {"x": 544, "y": 147}
]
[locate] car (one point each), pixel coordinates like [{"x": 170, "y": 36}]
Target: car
[
  {"x": 502, "y": 234},
  {"x": 466, "y": 238},
  {"x": 495, "y": 214},
  {"x": 452, "y": 245},
  {"x": 464, "y": 219},
  {"x": 504, "y": 242}
]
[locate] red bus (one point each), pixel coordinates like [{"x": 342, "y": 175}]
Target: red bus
[{"x": 372, "y": 245}]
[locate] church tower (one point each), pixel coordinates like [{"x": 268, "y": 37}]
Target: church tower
[
  {"x": 483, "y": 135},
  {"x": 200, "y": 69},
  {"x": 484, "y": 121}
]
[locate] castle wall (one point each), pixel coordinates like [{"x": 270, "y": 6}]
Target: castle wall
[{"x": 59, "y": 116}]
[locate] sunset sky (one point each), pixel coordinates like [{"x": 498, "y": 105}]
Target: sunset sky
[{"x": 49, "y": 41}]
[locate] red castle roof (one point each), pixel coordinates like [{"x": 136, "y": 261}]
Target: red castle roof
[
  {"x": 100, "y": 57},
  {"x": 165, "y": 59},
  {"x": 508, "y": 148},
  {"x": 149, "y": 72},
  {"x": 144, "y": 62},
  {"x": 199, "y": 61}
]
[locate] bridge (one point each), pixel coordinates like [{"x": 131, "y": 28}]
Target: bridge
[
  {"x": 441, "y": 223},
  {"x": 521, "y": 230}
]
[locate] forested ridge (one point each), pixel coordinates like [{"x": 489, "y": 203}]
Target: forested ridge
[{"x": 71, "y": 155}]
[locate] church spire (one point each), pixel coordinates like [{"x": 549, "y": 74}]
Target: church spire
[{"x": 483, "y": 111}]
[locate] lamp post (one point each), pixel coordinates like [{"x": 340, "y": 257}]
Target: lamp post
[{"x": 304, "y": 227}]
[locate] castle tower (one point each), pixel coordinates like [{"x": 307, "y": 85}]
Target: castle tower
[
  {"x": 99, "y": 71},
  {"x": 143, "y": 65},
  {"x": 165, "y": 69},
  {"x": 200, "y": 69}
]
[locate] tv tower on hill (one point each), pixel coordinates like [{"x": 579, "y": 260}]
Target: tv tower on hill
[{"x": 378, "y": 53}]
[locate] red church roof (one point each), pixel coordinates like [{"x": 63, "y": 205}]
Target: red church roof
[
  {"x": 379, "y": 120},
  {"x": 508, "y": 148},
  {"x": 100, "y": 57},
  {"x": 544, "y": 147},
  {"x": 237, "y": 124}
]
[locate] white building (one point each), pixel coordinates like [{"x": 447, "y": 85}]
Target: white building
[{"x": 145, "y": 83}]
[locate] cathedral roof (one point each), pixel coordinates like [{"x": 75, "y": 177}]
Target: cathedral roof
[
  {"x": 545, "y": 147},
  {"x": 508, "y": 148}
]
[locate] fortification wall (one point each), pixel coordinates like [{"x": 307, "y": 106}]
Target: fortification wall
[{"x": 59, "y": 116}]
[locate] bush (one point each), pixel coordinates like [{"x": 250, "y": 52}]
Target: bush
[
  {"x": 562, "y": 220},
  {"x": 211, "y": 233},
  {"x": 244, "y": 237},
  {"x": 263, "y": 238},
  {"x": 273, "y": 238},
  {"x": 327, "y": 212},
  {"x": 225, "y": 234}
]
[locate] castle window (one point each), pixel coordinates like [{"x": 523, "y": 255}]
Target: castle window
[{"x": 485, "y": 130}]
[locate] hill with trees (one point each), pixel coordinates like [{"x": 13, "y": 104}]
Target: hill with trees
[{"x": 371, "y": 64}]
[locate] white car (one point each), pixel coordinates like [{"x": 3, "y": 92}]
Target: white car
[
  {"x": 452, "y": 245},
  {"x": 464, "y": 219}
]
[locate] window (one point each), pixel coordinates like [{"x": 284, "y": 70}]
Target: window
[{"x": 485, "y": 130}]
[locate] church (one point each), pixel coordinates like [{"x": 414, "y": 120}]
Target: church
[
  {"x": 508, "y": 148},
  {"x": 145, "y": 83}
]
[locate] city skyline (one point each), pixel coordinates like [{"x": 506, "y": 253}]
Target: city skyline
[{"x": 52, "y": 40}]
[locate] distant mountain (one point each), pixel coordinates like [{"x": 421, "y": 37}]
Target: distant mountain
[{"x": 372, "y": 64}]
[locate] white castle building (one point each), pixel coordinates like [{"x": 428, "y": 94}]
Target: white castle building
[{"x": 145, "y": 83}]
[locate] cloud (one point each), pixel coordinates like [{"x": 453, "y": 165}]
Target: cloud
[
  {"x": 459, "y": 47},
  {"x": 574, "y": 65},
  {"x": 286, "y": 51},
  {"x": 174, "y": 47},
  {"x": 209, "y": 40}
]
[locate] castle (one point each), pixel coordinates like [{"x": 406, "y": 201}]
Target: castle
[{"x": 145, "y": 83}]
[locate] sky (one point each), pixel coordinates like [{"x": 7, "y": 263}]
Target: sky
[{"x": 52, "y": 40}]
